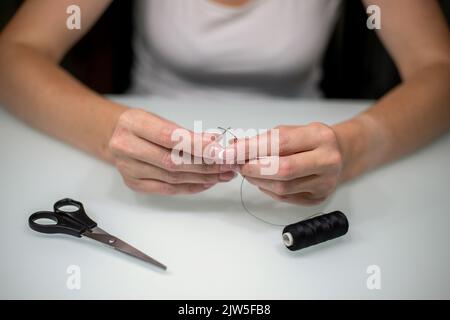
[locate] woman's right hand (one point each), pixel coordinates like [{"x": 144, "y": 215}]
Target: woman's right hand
[{"x": 141, "y": 146}]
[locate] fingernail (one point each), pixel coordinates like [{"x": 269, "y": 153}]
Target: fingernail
[
  {"x": 215, "y": 151},
  {"x": 210, "y": 136},
  {"x": 229, "y": 154},
  {"x": 220, "y": 155},
  {"x": 225, "y": 155},
  {"x": 208, "y": 185},
  {"x": 227, "y": 176}
]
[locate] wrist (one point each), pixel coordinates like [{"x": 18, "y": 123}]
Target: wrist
[
  {"x": 114, "y": 113},
  {"x": 355, "y": 141}
]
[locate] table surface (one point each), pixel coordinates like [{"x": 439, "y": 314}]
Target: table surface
[{"x": 399, "y": 219}]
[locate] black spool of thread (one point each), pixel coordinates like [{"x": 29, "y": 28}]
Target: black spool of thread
[{"x": 315, "y": 230}]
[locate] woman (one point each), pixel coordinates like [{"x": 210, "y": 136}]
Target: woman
[{"x": 248, "y": 47}]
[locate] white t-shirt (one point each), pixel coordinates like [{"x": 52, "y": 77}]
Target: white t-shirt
[{"x": 201, "y": 47}]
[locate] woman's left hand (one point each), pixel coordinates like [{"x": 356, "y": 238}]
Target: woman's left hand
[{"x": 310, "y": 163}]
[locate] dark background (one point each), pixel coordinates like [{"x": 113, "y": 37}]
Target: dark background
[{"x": 356, "y": 65}]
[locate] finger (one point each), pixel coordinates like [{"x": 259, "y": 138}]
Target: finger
[
  {"x": 305, "y": 198},
  {"x": 141, "y": 170},
  {"x": 282, "y": 168},
  {"x": 131, "y": 146},
  {"x": 306, "y": 184},
  {"x": 159, "y": 187},
  {"x": 283, "y": 140},
  {"x": 167, "y": 133}
]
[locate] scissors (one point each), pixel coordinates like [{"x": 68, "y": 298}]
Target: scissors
[{"x": 77, "y": 223}]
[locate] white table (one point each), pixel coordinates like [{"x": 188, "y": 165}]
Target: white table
[{"x": 399, "y": 220}]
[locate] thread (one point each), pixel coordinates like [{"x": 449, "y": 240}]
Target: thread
[
  {"x": 315, "y": 230},
  {"x": 257, "y": 217}
]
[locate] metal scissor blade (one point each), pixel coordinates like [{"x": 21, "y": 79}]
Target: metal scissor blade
[
  {"x": 122, "y": 246},
  {"x": 99, "y": 230}
]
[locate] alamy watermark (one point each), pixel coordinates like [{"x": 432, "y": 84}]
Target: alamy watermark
[
  {"x": 73, "y": 281},
  {"x": 373, "y": 281},
  {"x": 73, "y": 21},
  {"x": 374, "y": 19},
  {"x": 257, "y": 145}
]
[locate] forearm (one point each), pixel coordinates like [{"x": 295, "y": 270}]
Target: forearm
[
  {"x": 38, "y": 91},
  {"x": 407, "y": 118}
]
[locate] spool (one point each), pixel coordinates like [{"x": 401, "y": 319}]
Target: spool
[
  {"x": 315, "y": 230},
  {"x": 310, "y": 231}
]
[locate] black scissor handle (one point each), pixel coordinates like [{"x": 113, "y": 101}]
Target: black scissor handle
[
  {"x": 78, "y": 215},
  {"x": 63, "y": 225}
]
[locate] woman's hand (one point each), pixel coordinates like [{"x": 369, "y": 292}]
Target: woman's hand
[
  {"x": 310, "y": 163},
  {"x": 141, "y": 146}
]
